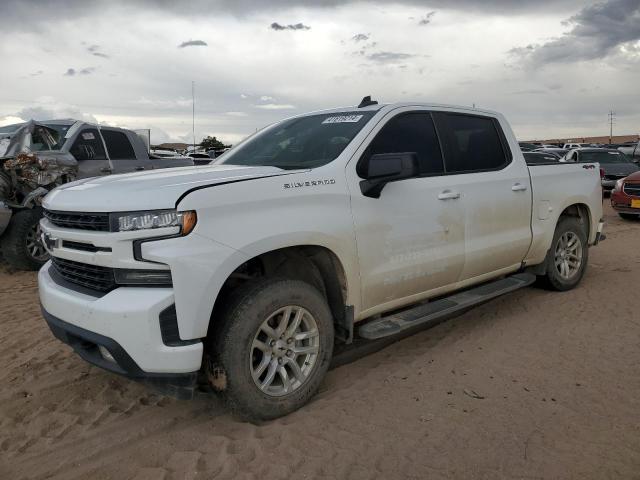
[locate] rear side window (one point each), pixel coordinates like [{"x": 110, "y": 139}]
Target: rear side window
[
  {"x": 118, "y": 145},
  {"x": 411, "y": 132},
  {"x": 88, "y": 146},
  {"x": 470, "y": 143}
]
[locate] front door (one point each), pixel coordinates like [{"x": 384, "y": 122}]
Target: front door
[
  {"x": 88, "y": 150},
  {"x": 410, "y": 241}
]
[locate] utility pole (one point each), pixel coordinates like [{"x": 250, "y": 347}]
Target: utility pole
[
  {"x": 193, "y": 113},
  {"x": 612, "y": 119}
]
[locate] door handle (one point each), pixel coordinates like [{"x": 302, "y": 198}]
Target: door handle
[
  {"x": 518, "y": 187},
  {"x": 448, "y": 195},
  {"x": 139, "y": 168}
]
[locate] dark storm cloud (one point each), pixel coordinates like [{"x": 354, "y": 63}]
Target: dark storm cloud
[
  {"x": 95, "y": 51},
  {"x": 193, "y": 43},
  {"x": 389, "y": 57},
  {"x": 426, "y": 20},
  {"x": 72, "y": 72},
  {"x": 297, "y": 26},
  {"x": 597, "y": 30},
  {"x": 14, "y": 11}
]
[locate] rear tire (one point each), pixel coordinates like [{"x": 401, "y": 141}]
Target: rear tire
[
  {"x": 567, "y": 258},
  {"x": 271, "y": 367},
  {"x": 21, "y": 246},
  {"x": 629, "y": 216}
]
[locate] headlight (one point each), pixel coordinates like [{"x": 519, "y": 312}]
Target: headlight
[
  {"x": 128, "y": 222},
  {"x": 142, "y": 277},
  {"x": 619, "y": 185}
]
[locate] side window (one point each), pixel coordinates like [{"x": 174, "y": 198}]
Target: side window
[
  {"x": 411, "y": 132},
  {"x": 88, "y": 146},
  {"x": 118, "y": 145},
  {"x": 470, "y": 143}
]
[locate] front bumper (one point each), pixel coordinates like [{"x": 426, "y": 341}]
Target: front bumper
[
  {"x": 127, "y": 319},
  {"x": 87, "y": 344},
  {"x": 621, "y": 202}
]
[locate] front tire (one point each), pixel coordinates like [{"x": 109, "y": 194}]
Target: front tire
[
  {"x": 567, "y": 258},
  {"x": 273, "y": 342},
  {"x": 21, "y": 244}
]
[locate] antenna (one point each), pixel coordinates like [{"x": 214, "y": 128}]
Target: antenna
[
  {"x": 193, "y": 113},
  {"x": 366, "y": 101}
]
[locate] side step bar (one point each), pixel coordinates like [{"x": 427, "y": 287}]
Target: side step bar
[{"x": 433, "y": 311}]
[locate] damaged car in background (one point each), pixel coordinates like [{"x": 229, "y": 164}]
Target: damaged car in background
[{"x": 36, "y": 157}]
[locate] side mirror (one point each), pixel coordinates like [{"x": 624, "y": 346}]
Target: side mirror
[{"x": 382, "y": 168}]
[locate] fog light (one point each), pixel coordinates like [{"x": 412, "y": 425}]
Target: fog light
[{"x": 106, "y": 354}]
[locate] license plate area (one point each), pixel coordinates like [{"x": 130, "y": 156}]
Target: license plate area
[{"x": 635, "y": 203}]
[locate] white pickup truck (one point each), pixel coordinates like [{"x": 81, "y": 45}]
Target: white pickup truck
[{"x": 362, "y": 221}]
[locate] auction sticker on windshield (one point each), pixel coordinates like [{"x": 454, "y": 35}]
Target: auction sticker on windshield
[{"x": 343, "y": 119}]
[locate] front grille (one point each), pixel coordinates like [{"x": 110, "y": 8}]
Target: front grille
[
  {"x": 632, "y": 189},
  {"x": 101, "y": 279},
  {"x": 98, "y": 222}
]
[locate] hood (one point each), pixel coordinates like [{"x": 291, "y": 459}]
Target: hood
[
  {"x": 150, "y": 190},
  {"x": 623, "y": 169},
  {"x": 634, "y": 177}
]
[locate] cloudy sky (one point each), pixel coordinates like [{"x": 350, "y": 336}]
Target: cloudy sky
[{"x": 555, "y": 68}]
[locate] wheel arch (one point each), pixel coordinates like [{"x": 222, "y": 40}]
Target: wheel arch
[
  {"x": 314, "y": 264},
  {"x": 578, "y": 210}
]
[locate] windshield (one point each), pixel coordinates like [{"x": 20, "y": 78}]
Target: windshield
[
  {"x": 604, "y": 157},
  {"x": 304, "y": 142},
  {"x": 60, "y": 132}
]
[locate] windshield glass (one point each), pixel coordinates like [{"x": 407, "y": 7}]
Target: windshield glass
[
  {"x": 60, "y": 132},
  {"x": 603, "y": 157},
  {"x": 304, "y": 142}
]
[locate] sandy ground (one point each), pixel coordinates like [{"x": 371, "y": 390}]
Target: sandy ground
[{"x": 559, "y": 375}]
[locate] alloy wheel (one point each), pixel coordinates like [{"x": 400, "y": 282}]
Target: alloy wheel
[
  {"x": 568, "y": 255},
  {"x": 284, "y": 351}
]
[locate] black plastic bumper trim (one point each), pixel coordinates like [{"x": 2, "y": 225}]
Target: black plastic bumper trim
[
  {"x": 85, "y": 343},
  {"x": 169, "y": 331}
]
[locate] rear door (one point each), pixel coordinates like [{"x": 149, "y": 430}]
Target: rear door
[
  {"x": 121, "y": 153},
  {"x": 410, "y": 241},
  {"x": 495, "y": 188},
  {"x": 88, "y": 150}
]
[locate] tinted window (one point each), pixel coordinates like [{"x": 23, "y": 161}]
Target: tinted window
[
  {"x": 118, "y": 145},
  {"x": 470, "y": 143},
  {"x": 88, "y": 146},
  {"x": 303, "y": 142},
  {"x": 603, "y": 157},
  {"x": 533, "y": 158},
  {"x": 410, "y": 132}
]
